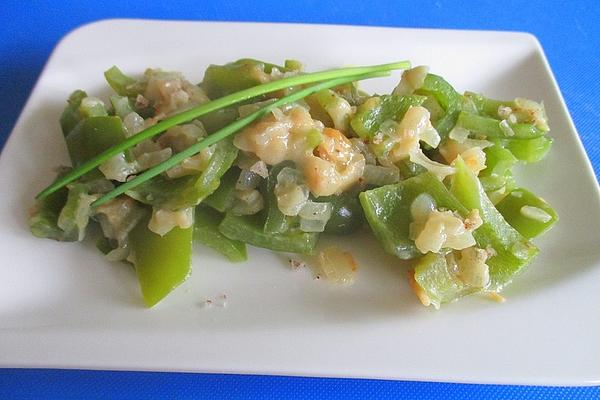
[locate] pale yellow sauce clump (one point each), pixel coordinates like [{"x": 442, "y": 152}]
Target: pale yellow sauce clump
[{"x": 330, "y": 168}]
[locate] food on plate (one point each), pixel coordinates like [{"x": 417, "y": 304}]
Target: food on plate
[{"x": 269, "y": 156}]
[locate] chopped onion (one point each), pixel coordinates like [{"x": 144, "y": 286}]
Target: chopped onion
[
  {"x": 379, "y": 176},
  {"x": 421, "y": 207},
  {"x": 508, "y": 131},
  {"x": 472, "y": 269},
  {"x": 535, "y": 213},
  {"x": 289, "y": 176},
  {"x": 412, "y": 79},
  {"x": 121, "y": 106},
  {"x": 439, "y": 170},
  {"x": 314, "y": 216},
  {"x": 337, "y": 265},
  {"x": 164, "y": 220},
  {"x": 117, "y": 168},
  {"x": 291, "y": 197},
  {"x": 504, "y": 112},
  {"x": 248, "y": 180},
  {"x": 365, "y": 150},
  {"x": 133, "y": 123},
  {"x": 260, "y": 169},
  {"x": 533, "y": 112},
  {"x": 247, "y": 202},
  {"x": 459, "y": 134},
  {"x": 149, "y": 160}
]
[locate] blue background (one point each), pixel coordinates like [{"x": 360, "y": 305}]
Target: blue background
[{"x": 569, "y": 32}]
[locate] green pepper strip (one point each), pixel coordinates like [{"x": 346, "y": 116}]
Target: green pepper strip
[
  {"x": 343, "y": 74},
  {"x": 225, "y": 132},
  {"x": 249, "y": 229},
  {"x": 537, "y": 218},
  {"x": 206, "y": 231}
]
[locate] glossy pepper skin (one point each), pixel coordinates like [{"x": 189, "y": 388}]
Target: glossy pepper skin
[
  {"x": 449, "y": 100},
  {"x": 92, "y": 136},
  {"x": 376, "y": 110},
  {"x": 513, "y": 252},
  {"x": 206, "y": 231},
  {"x": 437, "y": 280},
  {"x": 249, "y": 229},
  {"x": 161, "y": 262},
  {"x": 490, "y": 127},
  {"x": 221, "y": 80},
  {"x": 70, "y": 116},
  {"x": 511, "y": 208},
  {"x": 188, "y": 191},
  {"x": 387, "y": 210},
  {"x": 223, "y": 198}
]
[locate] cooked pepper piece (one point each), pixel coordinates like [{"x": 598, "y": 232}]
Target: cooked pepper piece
[
  {"x": 491, "y": 129},
  {"x": 187, "y": 191},
  {"x": 92, "y": 136},
  {"x": 529, "y": 150},
  {"x": 120, "y": 83},
  {"x": 376, "y": 110},
  {"x": 206, "y": 231},
  {"x": 438, "y": 282},
  {"x": 221, "y": 80},
  {"x": 223, "y": 198},
  {"x": 448, "y": 99},
  {"x": 249, "y": 229},
  {"x": 70, "y": 116},
  {"x": 387, "y": 210},
  {"x": 527, "y": 213},
  {"x": 485, "y": 105},
  {"x": 161, "y": 262},
  {"x": 513, "y": 252},
  {"x": 43, "y": 219}
]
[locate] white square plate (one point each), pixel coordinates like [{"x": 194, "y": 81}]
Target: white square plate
[{"x": 62, "y": 305}]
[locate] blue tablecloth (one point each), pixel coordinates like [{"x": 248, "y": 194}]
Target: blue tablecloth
[{"x": 568, "y": 31}]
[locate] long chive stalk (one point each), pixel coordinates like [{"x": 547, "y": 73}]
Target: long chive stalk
[
  {"x": 210, "y": 106},
  {"x": 227, "y": 131}
]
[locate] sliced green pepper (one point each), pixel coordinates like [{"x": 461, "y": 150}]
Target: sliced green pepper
[
  {"x": 161, "y": 262},
  {"x": 223, "y": 198},
  {"x": 376, "y": 110},
  {"x": 43, "y": 221},
  {"x": 221, "y": 80},
  {"x": 387, "y": 210},
  {"x": 121, "y": 83},
  {"x": 438, "y": 281},
  {"x": 513, "y": 252},
  {"x": 206, "y": 231},
  {"x": 249, "y": 229},
  {"x": 92, "y": 136},
  {"x": 527, "y": 213},
  {"x": 529, "y": 150},
  {"x": 490, "y": 127},
  {"x": 187, "y": 191},
  {"x": 447, "y": 98},
  {"x": 485, "y": 105},
  {"x": 70, "y": 117}
]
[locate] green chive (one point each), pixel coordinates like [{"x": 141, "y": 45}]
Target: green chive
[
  {"x": 213, "y": 105},
  {"x": 225, "y": 132}
]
